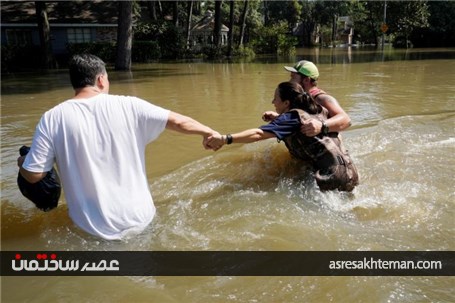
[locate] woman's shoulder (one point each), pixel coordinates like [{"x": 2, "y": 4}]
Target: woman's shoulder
[
  {"x": 292, "y": 113},
  {"x": 322, "y": 115},
  {"x": 295, "y": 113},
  {"x": 292, "y": 116}
]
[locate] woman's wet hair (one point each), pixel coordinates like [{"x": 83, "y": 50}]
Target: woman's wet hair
[
  {"x": 84, "y": 69},
  {"x": 298, "y": 98}
]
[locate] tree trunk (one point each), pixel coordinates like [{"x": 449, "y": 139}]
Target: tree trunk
[
  {"x": 175, "y": 13},
  {"x": 47, "y": 60},
  {"x": 152, "y": 10},
  {"x": 197, "y": 7},
  {"x": 334, "y": 29},
  {"x": 188, "y": 23},
  {"x": 217, "y": 27},
  {"x": 308, "y": 30},
  {"x": 372, "y": 26},
  {"x": 242, "y": 28},
  {"x": 160, "y": 8},
  {"x": 231, "y": 28},
  {"x": 266, "y": 13},
  {"x": 374, "y": 36},
  {"x": 124, "y": 36}
]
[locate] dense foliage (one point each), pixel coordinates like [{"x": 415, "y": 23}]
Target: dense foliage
[
  {"x": 278, "y": 27},
  {"x": 165, "y": 29}
]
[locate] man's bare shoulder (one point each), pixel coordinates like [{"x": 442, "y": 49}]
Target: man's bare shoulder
[{"x": 325, "y": 98}]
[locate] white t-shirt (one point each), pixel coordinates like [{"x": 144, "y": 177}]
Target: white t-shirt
[{"x": 98, "y": 145}]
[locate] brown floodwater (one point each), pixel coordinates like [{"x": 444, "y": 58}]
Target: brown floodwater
[{"x": 252, "y": 197}]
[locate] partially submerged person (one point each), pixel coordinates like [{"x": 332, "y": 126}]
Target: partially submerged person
[
  {"x": 332, "y": 166},
  {"x": 306, "y": 74},
  {"x": 98, "y": 141}
]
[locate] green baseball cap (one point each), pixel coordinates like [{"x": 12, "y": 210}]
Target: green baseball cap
[{"x": 305, "y": 68}]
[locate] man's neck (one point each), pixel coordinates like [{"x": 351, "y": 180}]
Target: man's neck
[
  {"x": 308, "y": 87},
  {"x": 87, "y": 92}
]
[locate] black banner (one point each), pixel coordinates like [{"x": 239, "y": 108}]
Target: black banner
[{"x": 227, "y": 263}]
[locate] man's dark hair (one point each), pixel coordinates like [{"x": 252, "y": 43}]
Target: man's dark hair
[{"x": 84, "y": 69}]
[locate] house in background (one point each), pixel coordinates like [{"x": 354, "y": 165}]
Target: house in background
[
  {"x": 202, "y": 32},
  {"x": 72, "y": 23},
  {"x": 69, "y": 22},
  {"x": 346, "y": 31}
]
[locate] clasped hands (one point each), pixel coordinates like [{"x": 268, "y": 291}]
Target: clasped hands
[{"x": 214, "y": 141}]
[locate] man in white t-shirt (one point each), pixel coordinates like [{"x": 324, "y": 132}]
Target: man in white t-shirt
[{"x": 98, "y": 142}]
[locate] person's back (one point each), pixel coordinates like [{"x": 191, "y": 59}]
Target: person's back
[
  {"x": 331, "y": 162},
  {"x": 99, "y": 144}
]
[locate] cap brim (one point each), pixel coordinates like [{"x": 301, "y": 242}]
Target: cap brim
[{"x": 290, "y": 69}]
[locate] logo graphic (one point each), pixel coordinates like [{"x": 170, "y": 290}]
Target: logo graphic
[{"x": 45, "y": 262}]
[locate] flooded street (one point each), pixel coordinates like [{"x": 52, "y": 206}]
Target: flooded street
[{"x": 254, "y": 197}]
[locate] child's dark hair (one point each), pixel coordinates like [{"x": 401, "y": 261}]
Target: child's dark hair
[{"x": 298, "y": 98}]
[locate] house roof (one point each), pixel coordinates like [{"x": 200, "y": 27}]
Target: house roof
[
  {"x": 207, "y": 23},
  {"x": 61, "y": 12}
]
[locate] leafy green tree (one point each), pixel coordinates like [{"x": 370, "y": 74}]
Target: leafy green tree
[
  {"x": 442, "y": 16},
  {"x": 277, "y": 11},
  {"x": 309, "y": 23},
  {"x": 442, "y": 22},
  {"x": 441, "y": 29},
  {"x": 274, "y": 39},
  {"x": 405, "y": 16},
  {"x": 327, "y": 13},
  {"x": 360, "y": 18}
]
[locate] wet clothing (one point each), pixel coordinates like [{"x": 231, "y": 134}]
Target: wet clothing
[
  {"x": 98, "y": 144},
  {"x": 284, "y": 125},
  {"x": 332, "y": 165},
  {"x": 44, "y": 193}
]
